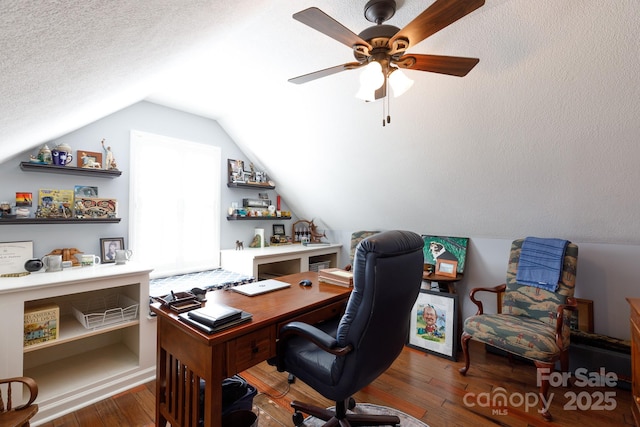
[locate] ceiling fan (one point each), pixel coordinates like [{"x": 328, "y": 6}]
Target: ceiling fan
[{"x": 387, "y": 44}]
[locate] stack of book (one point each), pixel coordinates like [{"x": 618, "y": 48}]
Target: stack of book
[
  {"x": 336, "y": 276},
  {"x": 214, "y": 317}
]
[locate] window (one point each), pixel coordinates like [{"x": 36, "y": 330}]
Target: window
[{"x": 174, "y": 204}]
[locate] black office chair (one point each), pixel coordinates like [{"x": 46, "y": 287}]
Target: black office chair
[{"x": 338, "y": 358}]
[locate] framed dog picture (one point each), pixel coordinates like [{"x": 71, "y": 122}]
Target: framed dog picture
[
  {"x": 448, "y": 249},
  {"x": 433, "y": 324}
]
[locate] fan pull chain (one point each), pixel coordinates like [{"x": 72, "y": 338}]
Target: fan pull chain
[{"x": 386, "y": 107}]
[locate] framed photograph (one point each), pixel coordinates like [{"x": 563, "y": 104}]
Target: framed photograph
[
  {"x": 278, "y": 229},
  {"x": 445, "y": 248},
  {"x": 447, "y": 268},
  {"x": 85, "y": 191},
  {"x": 108, "y": 248},
  {"x": 89, "y": 159},
  {"x": 235, "y": 170},
  {"x": 582, "y": 318},
  {"x": 433, "y": 324}
]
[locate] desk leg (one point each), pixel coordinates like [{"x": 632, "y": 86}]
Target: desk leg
[
  {"x": 213, "y": 389},
  {"x": 161, "y": 381}
]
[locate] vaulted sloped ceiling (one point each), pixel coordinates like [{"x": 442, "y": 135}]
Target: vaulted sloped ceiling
[{"x": 541, "y": 138}]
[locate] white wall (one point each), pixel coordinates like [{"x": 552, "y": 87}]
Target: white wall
[
  {"x": 606, "y": 272},
  {"x": 143, "y": 116}
]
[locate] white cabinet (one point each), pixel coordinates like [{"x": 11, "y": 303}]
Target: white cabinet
[
  {"x": 274, "y": 261},
  {"x": 82, "y": 365}
]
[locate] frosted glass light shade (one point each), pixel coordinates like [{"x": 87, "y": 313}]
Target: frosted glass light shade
[
  {"x": 371, "y": 79},
  {"x": 399, "y": 82}
]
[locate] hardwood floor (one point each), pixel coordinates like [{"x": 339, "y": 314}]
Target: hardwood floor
[{"x": 422, "y": 385}]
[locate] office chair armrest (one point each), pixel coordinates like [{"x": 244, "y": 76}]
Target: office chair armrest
[
  {"x": 496, "y": 290},
  {"x": 320, "y": 338},
  {"x": 29, "y": 382},
  {"x": 571, "y": 305}
]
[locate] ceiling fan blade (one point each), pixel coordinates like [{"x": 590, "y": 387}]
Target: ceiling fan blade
[
  {"x": 436, "y": 17},
  {"x": 324, "y": 73},
  {"x": 451, "y": 65},
  {"x": 318, "y": 20}
]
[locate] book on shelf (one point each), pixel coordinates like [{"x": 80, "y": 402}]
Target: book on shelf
[
  {"x": 41, "y": 324},
  {"x": 55, "y": 203},
  {"x": 336, "y": 276},
  {"x": 215, "y": 314}
]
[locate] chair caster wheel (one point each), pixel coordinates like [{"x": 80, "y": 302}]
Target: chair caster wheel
[
  {"x": 351, "y": 403},
  {"x": 297, "y": 418}
]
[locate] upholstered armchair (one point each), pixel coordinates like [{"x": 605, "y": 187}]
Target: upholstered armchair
[
  {"x": 339, "y": 358},
  {"x": 533, "y": 323},
  {"x": 20, "y": 415}
]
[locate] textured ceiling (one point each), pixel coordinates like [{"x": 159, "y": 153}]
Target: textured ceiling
[{"x": 541, "y": 138}]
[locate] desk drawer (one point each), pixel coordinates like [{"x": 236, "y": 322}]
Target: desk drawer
[
  {"x": 325, "y": 313},
  {"x": 250, "y": 349}
]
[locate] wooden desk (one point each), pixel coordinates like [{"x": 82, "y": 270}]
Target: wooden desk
[{"x": 186, "y": 355}]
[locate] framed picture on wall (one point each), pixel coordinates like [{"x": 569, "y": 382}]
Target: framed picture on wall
[
  {"x": 108, "y": 248},
  {"x": 433, "y": 324}
]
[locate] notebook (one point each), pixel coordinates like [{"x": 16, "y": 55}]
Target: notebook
[
  {"x": 215, "y": 314},
  {"x": 261, "y": 287},
  {"x": 244, "y": 317}
]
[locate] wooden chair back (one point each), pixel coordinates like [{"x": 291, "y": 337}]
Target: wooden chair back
[{"x": 20, "y": 415}]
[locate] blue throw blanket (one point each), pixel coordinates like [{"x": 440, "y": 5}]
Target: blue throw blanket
[{"x": 540, "y": 262}]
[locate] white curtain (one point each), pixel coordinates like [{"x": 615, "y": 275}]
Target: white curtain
[{"x": 174, "y": 206}]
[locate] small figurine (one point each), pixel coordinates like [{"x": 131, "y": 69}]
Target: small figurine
[
  {"x": 256, "y": 242},
  {"x": 109, "y": 162},
  {"x": 68, "y": 254},
  {"x": 316, "y": 237},
  {"x": 239, "y": 245}
]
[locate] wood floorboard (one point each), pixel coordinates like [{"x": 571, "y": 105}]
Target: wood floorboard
[{"x": 422, "y": 385}]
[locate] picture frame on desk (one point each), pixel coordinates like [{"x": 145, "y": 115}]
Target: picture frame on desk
[
  {"x": 278, "y": 230},
  {"x": 108, "y": 248},
  {"x": 446, "y": 268},
  {"x": 433, "y": 324}
]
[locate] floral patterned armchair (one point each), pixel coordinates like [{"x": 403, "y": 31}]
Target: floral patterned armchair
[{"x": 533, "y": 323}]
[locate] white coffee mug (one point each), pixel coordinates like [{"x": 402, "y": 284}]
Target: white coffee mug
[
  {"x": 52, "y": 262},
  {"x": 123, "y": 255},
  {"x": 88, "y": 260}
]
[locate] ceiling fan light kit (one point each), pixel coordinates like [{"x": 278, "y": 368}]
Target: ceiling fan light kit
[{"x": 386, "y": 45}]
